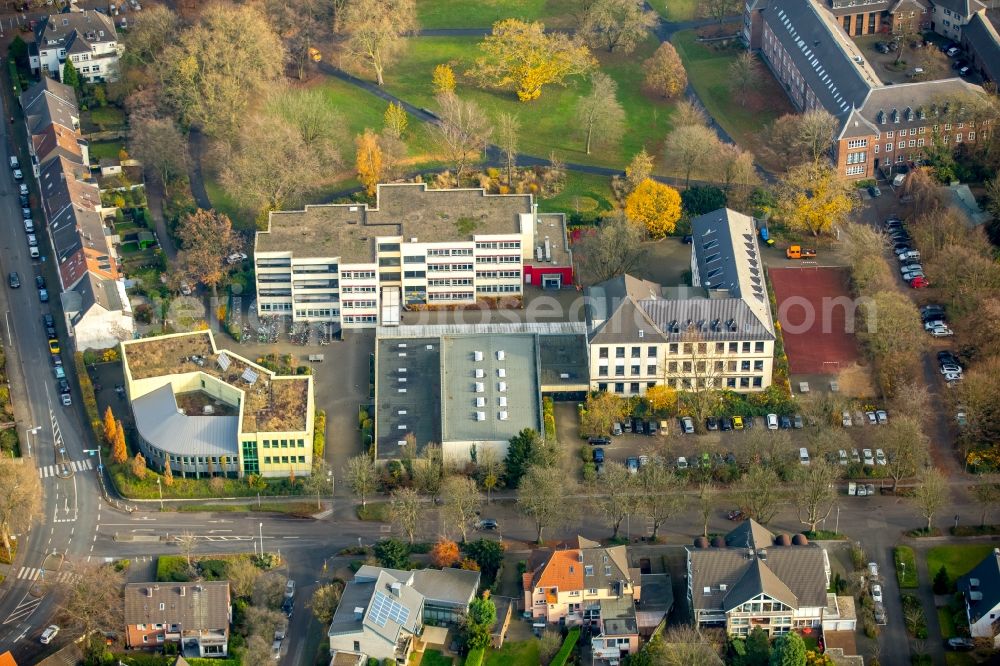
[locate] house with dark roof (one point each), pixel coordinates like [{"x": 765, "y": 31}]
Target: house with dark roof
[
  {"x": 808, "y": 48},
  {"x": 719, "y": 333},
  {"x": 753, "y": 578},
  {"x": 49, "y": 102},
  {"x": 980, "y": 589},
  {"x": 195, "y": 616},
  {"x": 869, "y": 17},
  {"x": 981, "y": 41},
  {"x": 98, "y": 312},
  {"x": 87, "y": 38},
  {"x": 948, "y": 17}
]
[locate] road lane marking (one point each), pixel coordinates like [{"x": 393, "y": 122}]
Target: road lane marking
[{"x": 50, "y": 471}]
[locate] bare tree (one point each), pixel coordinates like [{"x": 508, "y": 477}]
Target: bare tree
[
  {"x": 931, "y": 494},
  {"x": 508, "y": 130},
  {"x": 361, "y": 475},
  {"x": 987, "y": 496},
  {"x": 614, "y": 249},
  {"x": 242, "y": 575},
  {"x": 617, "y": 495},
  {"x": 616, "y": 25},
  {"x": 206, "y": 239},
  {"x": 428, "y": 471},
  {"x": 688, "y": 145},
  {"x": 687, "y": 112},
  {"x": 720, "y": 9},
  {"x": 759, "y": 493},
  {"x": 816, "y": 132},
  {"x": 463, "y": 130},
  {"x": 319, "y": 482},
  {"x": 706, "y": 503},
  {"x": 735, "y": 168},
  {"x": 269, "y": 590},
  {"x": 160, "y": 146},
  {"x": 461, "y": 503},
  {"x": 20, "y": 499},
  {"x": 697, "y": 373},
  {"x": 599, "y": 114},
  {"x": 813, "y": 491},
  {"x": 150, "y": 32},
  {"x": 92, "y": 599},
  {"x": 744, "y": 75},
  {"x": 905, "y": 445},
  {"x": 660, "y": 497},
  {"x": 187, "y": 542},
  {"x": 683, "y": 645},
  {"x": 376, "y": 29},
  {"x": 404, "y": 509},
  {"x": 541, "y": 498}
]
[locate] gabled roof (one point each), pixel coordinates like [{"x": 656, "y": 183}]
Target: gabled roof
[
  {"x": 756, "y": 580},
  {"x": 750, "y": 534},
  {"x": 50, "y": 87},
  {"x": 62, "y": 30},
  {"x": 56, "y": 140},
  {"x": 91, "y": 291},
  {"x": 912, "y": 104},
  {"x": 201, "y": 606},
  {"x": 814, "y": 44},
  {"x": 449, "y": 586},
  {"x": 898, "y": 4},
  {"x": 855, "y": 125},
  {"x": 983, "y": 39},
  {"x": 49, "y": 102},
  {"x": 395, "y": 608},
  {"x": 983, "y": 597},
  {"x": 566, "y": 569},
  {"x": 964, "y": 8}
]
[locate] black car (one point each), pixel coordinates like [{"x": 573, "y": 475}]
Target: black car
[
  {"x": 50, "y": 326},
  {"x": 647, "y": 427},
  {"x": 598, "y": 455},
  {"x": 961, "y": 644},
  {"x": 63, "y": 386},
  {"x": 56, "y": 359},
  {"x": 637, "y": 425},
  {"x": 24, "y": 200},
  {"x": 40, "y": 282},
  {"x": 727, "y": 423},
  {"x": 946, "y": 357},
  {"x": 26, "y": 213},
  {"x": 14, "y": 280},
  {"x": 712, "y": 423},
  {"x": 747, "y": 422},
  {"x": 687, "y": 239},
  {"x": 785, "y": 422},
  {"x": 899, "y": 247},
  {"x": 599, "y": 441},
  {"x": 287, "y": 605},
  {"x": 959, "y": 64}
]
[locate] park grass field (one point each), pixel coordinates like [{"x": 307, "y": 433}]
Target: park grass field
[{"x": 433, "y": 14}]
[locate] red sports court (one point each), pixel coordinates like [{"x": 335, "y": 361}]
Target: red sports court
[{"x": 816, "y": 311}]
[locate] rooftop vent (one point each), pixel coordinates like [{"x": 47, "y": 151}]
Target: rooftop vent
[
  {"x": 480, "y": 416},
  {"x": 480, "y": 387},
  {"x": 500, "y": 355},
  {"x": 502, "y": 400},
  {"x": 503, "y": 416},
  {"x": 359, "y": 613},
  {"x": 480, "y": 401},
  {"x": 480, "y": 373},
  {"x": 477, "y": 355},
  {"x": 501, "y": 372},
  {"x": 502, "y": 386},
  {"x": 722, "y": 587}
]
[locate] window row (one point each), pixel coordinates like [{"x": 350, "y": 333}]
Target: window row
[{"x": 283, "y": 460}]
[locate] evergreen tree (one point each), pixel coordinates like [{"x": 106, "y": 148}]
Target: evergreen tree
[
  {"x": 521, "y": 454},
  {"x": 789, "y": 650},
  {"x": 70, "y": 76}
]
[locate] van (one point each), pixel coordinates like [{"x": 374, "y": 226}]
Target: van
[
  {"x": 616, "y": 429},
  {"x": 772, "y": 421},
  {"x": 599, "y": 441},
  {"x": 14, "y": 164},
  {"x": 803, "y": 456}
]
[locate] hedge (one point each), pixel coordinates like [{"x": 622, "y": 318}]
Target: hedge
[
  {"x": 475, "y": 657},
  {"x": 319, "y": 434},
  {"x": 567, "y": 648}
]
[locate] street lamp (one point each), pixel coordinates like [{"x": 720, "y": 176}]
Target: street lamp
[
  {"x": 31, "y": 431},
  {"x": 160, "y": 488},
  {"x": 260, "y": 526}
]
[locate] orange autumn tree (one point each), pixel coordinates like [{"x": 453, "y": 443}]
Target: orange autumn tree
[
  {"x": 119, "y": 452},
  {"x": 444, "y": 553},
  {"x": 110, "y": 426},
  {"x": 655, "y": 206},
  {"x": 369, "y": 161}
]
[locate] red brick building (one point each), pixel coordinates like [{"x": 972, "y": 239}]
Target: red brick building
[{"x": 196, "y": 616}]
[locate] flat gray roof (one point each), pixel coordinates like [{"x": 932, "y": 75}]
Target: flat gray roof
[
  {"x": 564, "y": 360},
  {"x": 161, "y": 424},
  {"x": 492, "y": 398},
  {"x": 408, "y": 393}
]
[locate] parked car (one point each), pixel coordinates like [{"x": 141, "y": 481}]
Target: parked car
[
  {"x": 941, "y": 332},
  {"x": 736, "y": 514},
  {"x": 22, "y": 189},
  {"x": 842, "y": 457},
  {"x": 726, "y": 423},
  {"x": 951, "y": 377},
  {"x": 25, "y": 202},
  {"x": 14, "y": 280},
  {"x": 872, "y": 570},
  {"x": 599, "y": 441},
  {"x": 909, "y": 276},
  {"x": 32, "y": 240},
  {"x": 616, "y": 429},
  {"x": 882, "y": 416},
  {"x": 599, "y": 456},
  {"x": 952, "y": 51},
  {"x": 26, "y": 213},
  {"x": 487, "y": 524},
  {"x": 289, "y": 588},
  {"x": 687, "y": 425},
  {"x": 786, "y": 422},
  {"x": 797, "y": 422},
  {"x": 845, "y": 418},
  {"x": 960, "y": 644},
  {"x": 933, "y": 323},
  {"x": 712, "y": 423},
  {"x": 919, "y": 282},
  {"x": 632, "y": 465},
  {"x": 877, "y": 593},
  {"x": 50, "y": 632},
  {"x": 869, "y": 458},
  {"x": 43, "y": 295},
  {"x": 946, "y": 356},
  {"x": 643, "y": 461},
  {"x": 772, "y": 421},
  {"x": 63, "y": 386},
  {"x": 737, "y": 422},
  {"x": 880, "y": 456},
  {"x": 872, "y": 420},
  {"x": 627, "y": 425},
  {"x": 803, "y": 456},
  {"x": 874, "y": 191},
  {"x": 909, "y": 255},
  {"x": 950, "y": 367},
  {"x": 66, "y": 399},
  {"x": 53, "y": 346},
  {"x": 855, "y": 456},
  {"x": 18, "y": 175},
  {"x": 682, "y": 463}
]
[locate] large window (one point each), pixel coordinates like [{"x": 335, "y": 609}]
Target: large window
[{"x": 250, "y": 464}]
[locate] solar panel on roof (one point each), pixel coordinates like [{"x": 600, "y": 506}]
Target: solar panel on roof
[
  {"x": 223, "y": 361},
  {"x": 249, "y": 376},
  {"x": 384, "y": 609}
]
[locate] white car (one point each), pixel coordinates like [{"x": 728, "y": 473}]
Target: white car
[
  {"x": 872, "y": 420},
  {"x": 22, "y": 189},
  {"x": 18, "y": 175},
  {"x": 845, "y": 418},
  {"x": 855, "y": 456},
  {"x": 908, "y": 255},
  {"x": 873, "y": 569},
  {"x": 772, "y": 421},
  {"x": 688, "y": 423},
  {"x": 882, "y": 417},
  {"x": 869, "y": 458},
  {"x": 941, "y": 332},
  {"x": 932, "y": 323},
  {"x": 950, "y": 367},
  {"x": 50, "y": 632},
  {"x": 915, "y": 273},
  {"x": 953, "y": 377},
  {"x": 682, "y": 463},
  {"x": 842, "y": 456},
  {"x": 908, "y": 266},
  {"x": 880, "y": 456},
  {"x": 877, "y": 593}
]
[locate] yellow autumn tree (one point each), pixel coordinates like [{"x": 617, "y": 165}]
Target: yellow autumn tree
[
  {"x": 814, "y": 197},
  {"x": 396, "y": 120},
  {"x": 520, "y": 56},
  {"x": 119, "y": 452},
  {"x": 110, "y": 426},
  {"x": 369, "y": 160},
  {"x": 138, "y": 466},
  {"x": 662, "y": 399},
  {"x": 168, "y": 475},
  {"x": 655, "y": 206},
  {"x": 443, "y": 79}
]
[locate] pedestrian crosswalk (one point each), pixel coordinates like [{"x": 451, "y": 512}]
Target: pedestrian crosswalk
[
  {"x": 34, "y": 573},
  {"x": 75, "y": 465}
]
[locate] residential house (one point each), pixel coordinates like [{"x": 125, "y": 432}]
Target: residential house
[
  {"x": 382, "y": 611},
  {"x": 949, "y": 16},
  {"x": 752, "y": 578},
  {"x": 869, "y": 17},
  {"x": 195, "y": 616},
  {"x": 354, "y": 266},
  {"x": 981, "y": 42},
  {"x": 471, "y": 388},
  {"x": 980, "y": 589},
  {"x": 98, "y": 311},
  {"x": 812, "y": 56},
  {"x": 720, "y": 333},
  {"x": 87, "y": 38},
  {"x": 204, "y": 410}
]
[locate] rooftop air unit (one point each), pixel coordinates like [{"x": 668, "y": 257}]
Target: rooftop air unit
[
  {"x": 479, "y": 373},
  {"x": 548, "y": 249},
  {"x": 500, "y": 355},
  {"x": 477, "y": 355},
  {"x": 503, "y": 401},
  {"x": 480, "y": 387},
  {"x": 501, "y": 373},
  {"x": 480, "y": 416},
  {"x": 502, "y": 386},
  {"x": 480, "y": 401},
  {"x": 503, "y": 416}
]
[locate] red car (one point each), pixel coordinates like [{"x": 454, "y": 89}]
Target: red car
[{"x": 919, "y": 282}]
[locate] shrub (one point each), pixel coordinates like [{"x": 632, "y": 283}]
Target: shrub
[
  {"x": 319, "y": 434},
  {"x": 475, "y": 657},
  {"x": 562, "y": 657},
  {"x": 941, "y": 581}
]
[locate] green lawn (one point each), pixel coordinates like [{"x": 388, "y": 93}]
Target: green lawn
[
  {"x": 431, "y": 658},
  {"x": 374, "y": 511},
  {"x": 677, "y": 10},
  {"x": 223, "y": 203},
  {"x": 946, "y": 622},
  {"x": 546, "y": 123},
  {"x": 514, "y": 654},
  {"x": 585, "y": 195},
  {"x": 102, "y": 149},
  {"x": 958, "y": 560},
  {"x": 105, "y": 117},
  {"x": 906, "y": 567},
  {"x": 708, "y": 71},
  {"x": 483, "y": 13}
]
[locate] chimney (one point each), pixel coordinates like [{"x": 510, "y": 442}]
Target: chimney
[
  {"x": 359, "y": 613},
  {"x": 182, "y": 590},
  {"x": 149, "y": 591},
  {"x": 396, "y": 588}
]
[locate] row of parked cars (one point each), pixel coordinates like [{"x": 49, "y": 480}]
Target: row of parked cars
[
  {"x": 908, "y": 256},
  {"x": 960, "y": 64},
  {"x": 871, "y": 417},
  {"x": 29, "y": 224}
]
